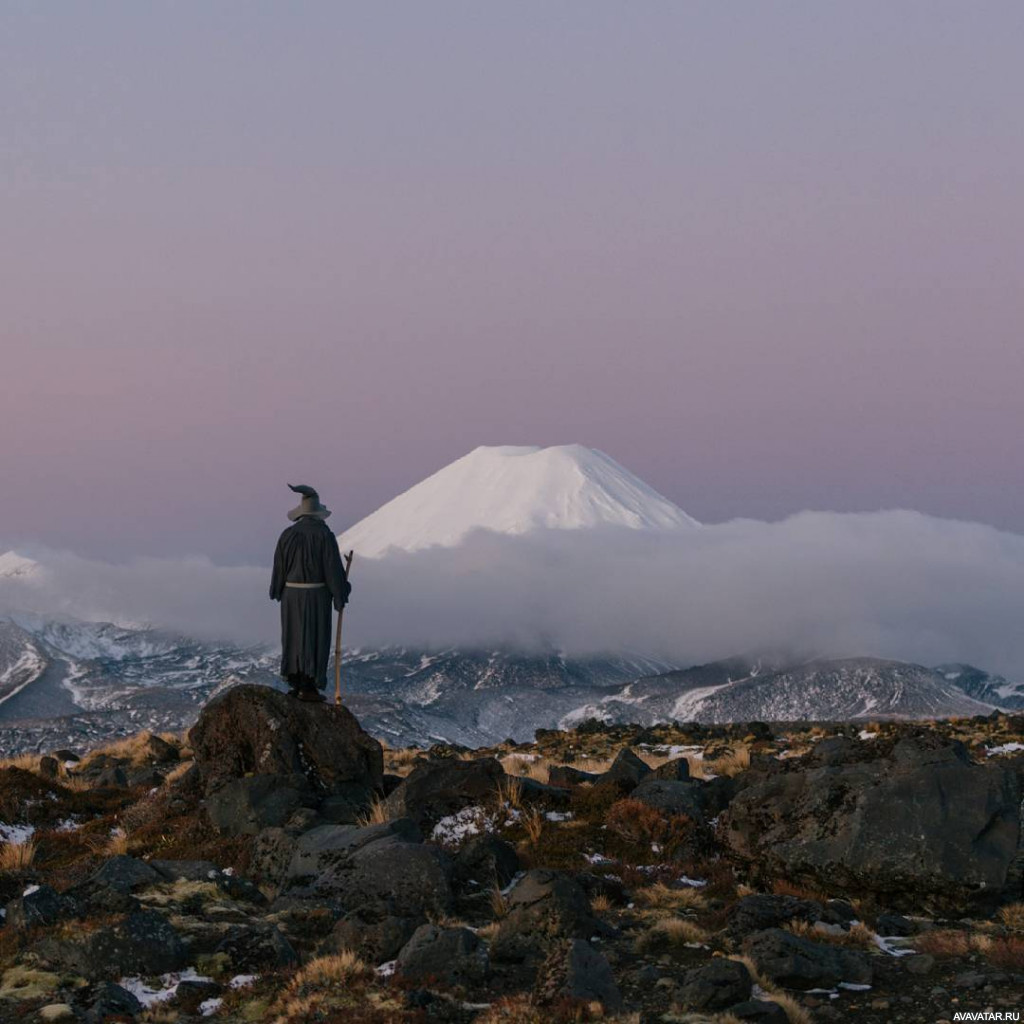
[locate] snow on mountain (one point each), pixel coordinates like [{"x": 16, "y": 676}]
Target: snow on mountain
[
  {"x": 15, "y": 566},
  {"x": 818, "y": 690},
  {"x": 985, "y": 686},
  {"x": 21, "y": 660},
  {"x": 514, "y": 490}
]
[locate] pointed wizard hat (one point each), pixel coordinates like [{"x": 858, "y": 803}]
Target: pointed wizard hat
[{"x": 310, "y": 504}]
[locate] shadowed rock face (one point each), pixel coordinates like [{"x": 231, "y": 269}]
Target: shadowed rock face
[
  {"x": 910, "y": 821},
  {"x": 254, "y": 730},
  {"x": 445, "y": 786}
]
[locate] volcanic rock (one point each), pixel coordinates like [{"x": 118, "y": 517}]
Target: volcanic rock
[
  {"x": 909, "y": 822},
  {"x": 435, "y": 789},
  {"x": 254, "y": 730}
]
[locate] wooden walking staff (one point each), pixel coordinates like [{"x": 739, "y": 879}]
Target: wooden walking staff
[{"x": 337, "y": 638}]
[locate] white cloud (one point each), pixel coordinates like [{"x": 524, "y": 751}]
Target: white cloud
[{"x": 888, "y": 584}]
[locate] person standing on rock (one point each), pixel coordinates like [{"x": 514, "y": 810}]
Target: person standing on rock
[{"x": 308, "y": 579}]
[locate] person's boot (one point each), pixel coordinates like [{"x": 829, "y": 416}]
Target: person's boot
[{"x": 311, "y": 694}]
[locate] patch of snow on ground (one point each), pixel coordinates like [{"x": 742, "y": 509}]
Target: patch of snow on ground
[
  {"x": 516, "y": 879},
  {"x": 470, "y": 821},
  {"x": 1006, "y": 748},
  {"x": 890, "y": 944},
  {"x": 31, "y": 889},
  {"x": 694, "y": 883},
  {"x": 865, "y": 735},
  {"x": 558, "y": 815},
  {"x": 16, "y": 834},
  {"x": 676, "y": 751},
  {"x": 152, "y": 996},
  {"x": 387, "y": 969},
  {"x": 208, "y": 1007},
  {"x": 242, "y": 980}
]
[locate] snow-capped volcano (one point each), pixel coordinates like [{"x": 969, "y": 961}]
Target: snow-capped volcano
[{"x": 514, "y": 490}]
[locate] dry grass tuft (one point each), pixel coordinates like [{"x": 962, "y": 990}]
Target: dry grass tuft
[
  {"x": 643, "y": 826},
  {"x": 401, "y": 762},
  {"x": 802, "y": 892},
  {"x": 858, "y": 936},
  {"x": 672, "y": 931},
  {"x": 795, "y": 1013},
  {"x": 177, "y": 772},
  {"x": 498, "y": 901},
  {"x": 1007, "y": 953},
  {"x": 601, "y": 904},
  {"x": 533, "y": 822},
  {"x": 510, "y": 792},
  {"x": 117, "y": 845},
  {"x": 378, "y": 813},
  {"x": 17, "y": 856},
  {"x": 732, "y": 763},
  {"x": 663, "y": 897},
  {"x": 135, "y": 748},
  {"x": 26, "y": 762},
  {"x": 535, "y": 768},
  {"x": 325, "y": 971},
  {"x": 594, "y": 765},
  {"x": 944, "y": 942},
  {"x": 1012, "y": 916}
]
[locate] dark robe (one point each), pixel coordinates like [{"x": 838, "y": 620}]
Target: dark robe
[{"x": 307, "y": 552}]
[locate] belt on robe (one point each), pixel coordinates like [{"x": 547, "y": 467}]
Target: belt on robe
[{"x": 305, "y": 586}]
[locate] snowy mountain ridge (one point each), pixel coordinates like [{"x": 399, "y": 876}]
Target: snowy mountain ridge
[{"x": 514, "y": 490}]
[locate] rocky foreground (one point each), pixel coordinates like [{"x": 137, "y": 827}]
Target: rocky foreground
[{"x": 278, "y": 864}]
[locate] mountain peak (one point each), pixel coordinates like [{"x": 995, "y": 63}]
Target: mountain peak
[
  {"x": 515, "y": 489},
  {"x": 13, "y": 565}
]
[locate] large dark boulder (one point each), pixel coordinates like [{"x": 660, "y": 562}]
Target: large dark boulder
[
  {"x": 566, "y": 776},
  {"x": 795, "y": 962},
  {"x": 672, "y": 797},
  {"x": 486, "y": 861},
  {"x": 385, "y": 867},
  {"x": 247, "y": 806},
  {"x": 254, "y": 730},
  {"x": 126, "y": 874},
  {"x": 271, "y": 857},
  {"x": 589, "y": 977},
  {"x": 626, "y": 772},
  {"x": 760, "y": 911},
  {"x": 759, "y": 1011},
  {"x": 544, "y": 905},
  {"x": 449, "y": 956},
  {"x": 910, "y": 822},
  {"x": 143, "y": 943},
  {"x": 257, "y": 947},
  {"x": 676, "y": 770},
  {"x": 716, "y": 986},
  {"x": 328, "y": 846},
  {"x": 374, "y": 933},
  {"x": 187, "y": 870},
  {"x": 104, "y": 1001},
  {"x": 39, "y": 905},
  {"x": 435, "y": 789}
]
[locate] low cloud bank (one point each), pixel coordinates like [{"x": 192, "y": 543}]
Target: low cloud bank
[{"x": 888, "y": 584}]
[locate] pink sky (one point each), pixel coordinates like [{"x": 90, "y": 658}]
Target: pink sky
[{"x": 769, "y": 257}]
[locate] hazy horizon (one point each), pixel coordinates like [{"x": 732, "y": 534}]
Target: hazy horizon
[{"x": 765, "y": 256}]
